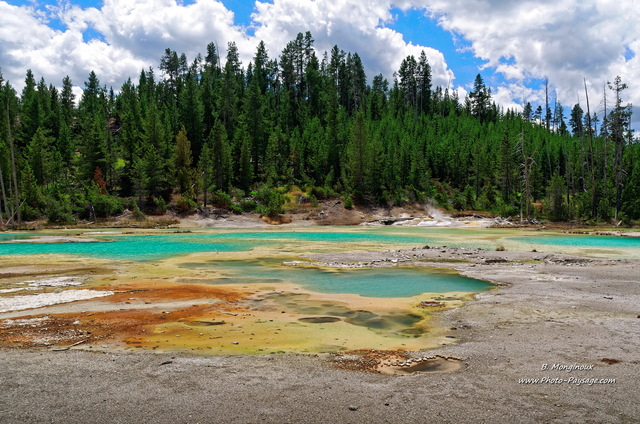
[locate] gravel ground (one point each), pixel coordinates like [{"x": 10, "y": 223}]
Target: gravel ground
[{"x": 552, "y": 311}]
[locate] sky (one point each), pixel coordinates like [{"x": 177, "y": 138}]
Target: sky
[{"x": 513, "y": 44}]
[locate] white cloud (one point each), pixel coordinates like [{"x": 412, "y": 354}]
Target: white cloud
[
  {"x": 134, "y": 35},
  {"x": 564, "y": 40},
  {"x": 353, "y": 25},
  {"x": 26, "y": 42}
]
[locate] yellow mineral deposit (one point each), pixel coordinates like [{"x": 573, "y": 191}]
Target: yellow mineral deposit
[{"x": 165, "y": 305}]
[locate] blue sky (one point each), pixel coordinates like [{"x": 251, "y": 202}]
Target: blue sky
[{"x": 513, "y": 44}]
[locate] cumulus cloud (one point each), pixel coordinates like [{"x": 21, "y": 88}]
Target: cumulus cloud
[
  {"x": 519, "y": 41},
  {"x": 353, "y": 25},
  {"x": 133, "y": 35},
  {"x": 564, "y": 40},
  {"x": 27, "y": 42}
]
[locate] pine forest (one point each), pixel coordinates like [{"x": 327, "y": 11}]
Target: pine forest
[{"x": 212, "y": 131}]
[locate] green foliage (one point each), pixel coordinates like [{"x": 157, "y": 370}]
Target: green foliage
[
  {"x": 182, "y": 163},
  {"x": 556, "y": 194},
  {"x": 59, "y": 212},
  {"x": 138, "y": 215},
  {"x": 469, "y": 200},
  {"x": 222, "y": 200},
  {"x": 103, "y": 205},
  {"x": 348, "y": 201},
  {"x": 248, "y": 206},
  {"x": 271, "y": 201},
  {"x": 160, "y": 205},
  {"x": 323, "y": 193},
  {"x": 185, "y": 205},
  {"x": 29, "y": 213},
  {"x": 300, "y": 119},
  {"x": 61, "y": 204},
  {"x": 631, "y": 192}
]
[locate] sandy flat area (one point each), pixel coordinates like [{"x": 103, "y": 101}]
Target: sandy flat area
[{"x": 572, "y": 323}]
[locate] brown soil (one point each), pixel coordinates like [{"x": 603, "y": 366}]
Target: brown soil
[{"x": 123, "y": 325}]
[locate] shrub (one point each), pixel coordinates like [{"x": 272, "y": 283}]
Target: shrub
[
  {"x": 222, "y": 199},
  {"x": 29, "y": 213},
  {"x": 185, "y": 205},
  {"x": 160, "y": 204},
  {"x": 469, "y": 197},
  {"x": 248, "y": 205},
  {"x": 271, "y": 200},
  {"x": 105, "y": 205},
  {"x": 59, "y": 213},
  {"x": 348, "y": 201},
  {"x": 458, "y": 202},
  {"x": 322, "y": 193},
  {"x": 137, "y": 213}
]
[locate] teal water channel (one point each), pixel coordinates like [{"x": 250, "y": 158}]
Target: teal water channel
[
  {"x": 368, "y": 282},
  {"x": 164, "y": 245},
  {"x": 584, "y": 241}
]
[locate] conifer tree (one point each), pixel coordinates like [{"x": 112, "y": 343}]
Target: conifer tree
[
  {"x": 182, "y": 163},
  {"x": 359, "y": 166},
  {"x": 221, "y": 154}
]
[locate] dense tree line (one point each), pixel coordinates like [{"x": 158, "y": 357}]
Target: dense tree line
[{"x": 214, "y": 131}]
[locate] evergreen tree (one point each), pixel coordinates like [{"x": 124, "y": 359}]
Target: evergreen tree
[
  {"x": 192, "y": 111},
  {"x": 67, "y": 101},
  {"x": 244, "y": 167},
  {"x": 182, "y": 163},
  {"x": 39, "y": 156},
  {"x": 299, "y": 120},
  {"x": 221, "y": 157},
  {"x": 424, "y": 84},
  {"x": 480, "y": 99},
  {"x": 359, "y": 157},
  {"x": 231, "y": 89},
  {"x": 31, "y": 113}
]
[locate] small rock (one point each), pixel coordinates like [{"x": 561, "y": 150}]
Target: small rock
[
  {"x": 353, "y": 408},
  {"x": 235, "y": 343}
]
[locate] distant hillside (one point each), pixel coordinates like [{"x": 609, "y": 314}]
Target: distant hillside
[{"x": 239, "y": 137}]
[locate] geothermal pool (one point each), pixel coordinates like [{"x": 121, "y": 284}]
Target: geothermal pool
[{"x": 228, "y": 291}]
